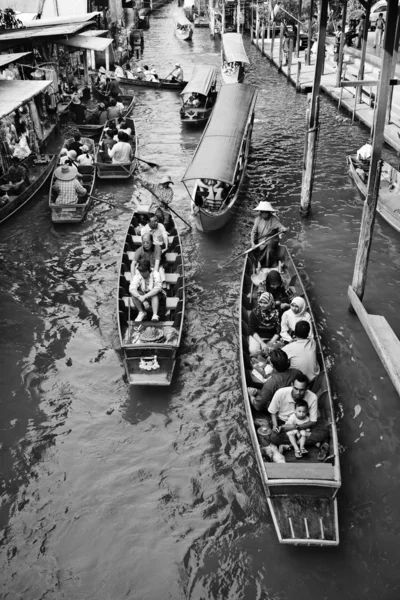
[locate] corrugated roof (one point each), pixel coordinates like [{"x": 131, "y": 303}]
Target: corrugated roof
[
  {"x": 50, "y": 31},
  {"x": 84, "y": 41},
  {"x": 6, "y": 59},
  {"x": 95, "y": 32},
  {"x": 62, "y": 20},
  {"x": 14, "y": 93}
]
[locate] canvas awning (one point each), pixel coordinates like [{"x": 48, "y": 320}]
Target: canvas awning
[
  {"x": 41, "y": 32},
  {"x": 6, "y": 59},
  {"x": 86, "y": 42},
  {"x": 233, "y": 48},
  {"x": 14, "y": 93},
  {"x": 219, "y": 149},
  {"x": 201, "y": 81},
  {"x": 65, "y": 20}
]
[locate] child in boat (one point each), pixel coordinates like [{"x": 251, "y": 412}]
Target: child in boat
[{"x": 299, "y": 417}]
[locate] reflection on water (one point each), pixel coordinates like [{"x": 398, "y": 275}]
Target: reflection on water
[{"x": 111, "y": 493}]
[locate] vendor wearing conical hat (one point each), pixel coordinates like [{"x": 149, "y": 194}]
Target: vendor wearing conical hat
[
  {"x": 266, "y": 225},
  {"x": 66, "y": 186}
]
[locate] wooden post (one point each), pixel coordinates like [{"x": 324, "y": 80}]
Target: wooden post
[
  {"x": 223, "y": 17},
  {"x": 298, "y": 85},
  {"x": 263, "y": 37},
  {"x": 93, "y": 61},
  {"x": 341, "y": 47},
  {"x": 290, "y": 56},
  {"x": 308, "y": 171},
  {"x": 268, "y": 29},
  {"x": 238, "y": 16},
  {"x": 310, "y": 22},
  {"x": 251, "y": 23},
  {"x": 394, "y": 63},
  {"x": 272, "y": 41},
  {"x": 298, "y": 31},
  {"x": 37, "y": 125},
  {"x": 85, "y": 66},
  {"x": 107, "y": 58},
  {"x": 280, "y": 47},
  {"x": 369, "y": 208},
  {"x": 363, "y": 52},
  {"x": 257, "y": 24}
]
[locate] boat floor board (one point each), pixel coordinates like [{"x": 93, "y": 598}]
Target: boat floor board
[{"x": 300, "y": 470}]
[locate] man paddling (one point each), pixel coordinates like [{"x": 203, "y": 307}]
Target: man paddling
[{"x": 162, "y": 192}]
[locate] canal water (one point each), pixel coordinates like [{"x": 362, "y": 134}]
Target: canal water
[{"x": 111, "y": 493}]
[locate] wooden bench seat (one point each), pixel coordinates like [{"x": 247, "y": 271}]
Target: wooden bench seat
[
  {"x": 171, "y": 303},
  {"x": 299, "y": 471},
  {"x": 137, "y": 240},
  {"x": 169, "y": 277},
  {"x": 170, "y": 257}
]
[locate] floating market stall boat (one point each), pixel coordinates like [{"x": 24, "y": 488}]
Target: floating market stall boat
[
  {"x": 219, "y": 163},
  {"x": 199, "y": 96},
  {"x": 39, "y": 168},
  {"x": 234, "y": 58},
  {"x": 75, "y": 213},
  {"x": 150, "y": 347},
  {"x": 106, "y": 169},
  {"x": 183, "y": 28},
  {"x": 301, "y": 494},
  {"x": 389, "y": 192}
]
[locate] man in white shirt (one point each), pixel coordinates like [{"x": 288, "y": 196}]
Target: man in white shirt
[
  {"x": 302, "y": 352},
  {"x": 146, "y": 289},
  {"x": 283, "y": 405},
  {"x": 158, "y": 231},
  {"x": 121, "y": 153},
  {"x": 177, "y": 73}
]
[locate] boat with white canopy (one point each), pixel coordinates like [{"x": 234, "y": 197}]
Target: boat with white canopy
[
  {"x": 199, "y": 96},
  {"x": 219, "y": 163},
  {"x": 183, "y": 28},
  {"x": 234, "y": 58}
]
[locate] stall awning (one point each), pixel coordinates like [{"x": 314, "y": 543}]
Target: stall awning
[
  {"x": 39, "y": 32},
  {"x": 65, "y": 20},
  {"x": 95, "y": 32},
  {"x": 14, "y": 93},
  {"x": 85, "y": 41},
  {"x": 6, "y": 59}
]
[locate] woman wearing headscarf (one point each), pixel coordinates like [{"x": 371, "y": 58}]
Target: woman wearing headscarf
[
  {"x": 263, "y": 323},
  {"x": 297, "y": 312},
  {"x": 275, "y": 286}
]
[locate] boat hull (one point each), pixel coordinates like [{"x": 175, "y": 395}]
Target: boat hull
[
  {"x": 108, "y": 170},
  {"x": 301, "y": 495},
  {"x": 17, "y": 202},
  {"x": 185, "y": 37},
  {"x": 162, "y": 85},
  {"x": 388, "y": 206},
  {"x": 195, "y": 117}
]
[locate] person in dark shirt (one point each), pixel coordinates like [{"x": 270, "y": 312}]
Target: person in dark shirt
[
  {"x": 114, "y": 88},
  {"x": 273, "y": 284},
  {"x": 78, "y": 110},
  {"x": 263, "y": 324},
  {"x": 282, "y": 376},
  {"x": 76, "y": 144}
]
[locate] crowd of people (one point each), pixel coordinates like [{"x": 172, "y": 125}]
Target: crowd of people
[{"x": 282, "y": 350}]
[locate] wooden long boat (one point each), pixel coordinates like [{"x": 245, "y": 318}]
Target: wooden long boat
[
  {"x": 233, "y": 57},
  {"x": 157, "y": 85},
  {"x": 75, "y": 213},
  {"x": 108, "y": 170},
  {"x": 301, "y": 495},
  {"x": 40, "y": 168},
  {"x": 94, "y": 131},
  {"x": 183, "y": 28},
  {"x": 136, "y": 352},
  {"x": 222, "y": 155},
  {"x": 202, "y": 83},
  {"x": 389, "y": 192}
]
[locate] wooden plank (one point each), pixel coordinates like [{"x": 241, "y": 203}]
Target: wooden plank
[
  {"x": 366, "y": 82},
  {"x": 300, "y": 470},
  {"x": 383, "y": 338},
  {"x": 169, "y": 277}
]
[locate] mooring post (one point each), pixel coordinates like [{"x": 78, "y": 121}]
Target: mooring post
[
  {"x": 393, "y": 69},
  {"x": 257, "y": 25},
  {"x": 309, "y": 158},
  {"x": 298, "y": 31},
  {"x": 360, "y": 75},
  {"x": 298, "y": 85},
  {"x": 280, "y": 48},
  {"x": 272, "y": 41},
  {"x": 341, "y": 47},
  {"x": 369, "y": 207},
  {"x": 309, "y": 41},
  {"x": 290, "y": 56}
]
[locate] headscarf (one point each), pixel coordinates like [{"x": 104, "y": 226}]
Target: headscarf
[
  {"x": 266, "y": 312},
  {"x": 301, "y": 303}
]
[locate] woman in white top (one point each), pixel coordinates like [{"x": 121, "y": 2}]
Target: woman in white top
[
  {"x": 85, "y": 158},
  {"x": 296, "y": 312}
]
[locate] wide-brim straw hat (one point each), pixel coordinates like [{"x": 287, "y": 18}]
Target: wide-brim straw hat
[
  {"x": 265, "y": 207},
  {"x": 65, "y": 172},
  {"x": 167, "y": 179},
  {"x": 102, "y": 70}
]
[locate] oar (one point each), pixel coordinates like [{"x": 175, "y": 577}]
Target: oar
[
  {"x": 168, "y": 207},
  {"x": 151, "y": 164},
  {"x": 115, "y": 204},
  {"x": 165, "y": 78},
  {"x": 265, "y": 241}
]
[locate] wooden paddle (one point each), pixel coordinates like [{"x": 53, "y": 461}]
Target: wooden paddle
[
  {"x": 115, "y": 204},
  {"x": 165, "y": 78},
  {"x": 167, "y": 206},
  {"x": 264, "y": 241}
]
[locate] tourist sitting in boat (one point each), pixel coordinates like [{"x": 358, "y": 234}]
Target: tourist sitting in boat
[
  {"x": 71, "y": 159},
  {"x": 177, "y": 73},
  {"x": 230, "y": 67},
  {"x": 263, "y": 325},
  {"x": 146, "y": 290},
  {"x": 122, "y": 152},
  {"x": 266, "y": 225},
  {"x": 108, "y": 140},
  {"x": 113, "y": 111},
  {"x": 364, "y": 154},
  {"x": 128, "y": 72},
  {"x": 280, "y": 374},
  {"x": 215, "y": 193},
  {"x": 105, "y": 85},
  {"x": 139, "y": 74},
  {"x": 21, "y": 149},
  {"x": 67, "y": 187},
  {"x": 193, "y": 100},
  {"x": 147, "y": 75},
  {"x": 101, "y": 78},
  {"x": 96, "y": 114},
  {"x": 158, "y": 231},
  {"x": 283, "y": 405},
  {"x": 298, "y": 436},
  {"x": 118, "y": 71},
  {"x": 151, "y": 252},
  {"x": 114, "y": 88},
  {"x": 297, "y": 312},
  {"x": 76, "y": 144},
  {"x": 302, "y": 351},
  {"x": 17, "y": 177},
  {"x": 85, "y": 158},
  {"x": 153, "y": 76},
  {"x": 63, "y": 156},
  {"x": 123, "y": 126},
  {"x": 272, "y": 283}
]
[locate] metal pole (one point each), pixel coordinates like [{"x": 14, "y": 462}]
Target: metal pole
[
  {"x": 341, "y": 47},
  {"x": 394, "y": 63},
  {"x": 369, "y": 208},
  {"x": 310, "y": 21},
  {"x": 306, "y": 188}
]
